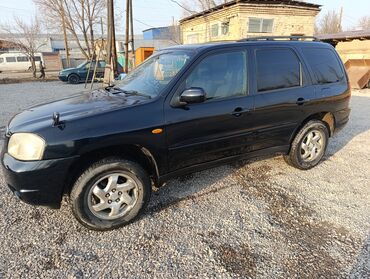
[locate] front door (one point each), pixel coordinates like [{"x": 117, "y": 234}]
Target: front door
[{"x": 218, "y": 127}]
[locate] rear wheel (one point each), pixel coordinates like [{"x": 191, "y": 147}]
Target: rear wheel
[
  {"x": 73, "y": 79},
  {"x": 309, "y": 145},
  {"x": 110, "y": 194}
]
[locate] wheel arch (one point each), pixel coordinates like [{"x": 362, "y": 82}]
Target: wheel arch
[
  {"x": 135, "y": 153},
  {"x": 326, "y": 117}
]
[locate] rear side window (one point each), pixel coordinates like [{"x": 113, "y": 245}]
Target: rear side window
[
  {"x": 1, "y": 60},
  {"x": 10, "y": 59},
  {"x": 277, "y": 69},
  {"x": 325, "y": 65}
]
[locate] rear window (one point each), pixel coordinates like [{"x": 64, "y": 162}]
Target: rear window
[
  {"x": 10, "y": 59},
  {"x": 37, "y": 58},
  {"x": 325, "y": 65},
  {"x": 277, "y": 69}
]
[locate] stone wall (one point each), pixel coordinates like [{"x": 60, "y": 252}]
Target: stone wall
[{"x": 288, "y": 20}]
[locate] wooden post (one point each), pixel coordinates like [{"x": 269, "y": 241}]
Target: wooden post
[
  {"x": 132, "y": 33},
  {"x": 108, "y": 68}
]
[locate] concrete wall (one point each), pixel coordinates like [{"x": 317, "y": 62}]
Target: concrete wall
[
  {"x": 288, "y": 20},
  {"x": 354, "y": 50}
]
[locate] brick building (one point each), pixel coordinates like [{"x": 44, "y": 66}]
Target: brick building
[{"x": 248, "y": 18}]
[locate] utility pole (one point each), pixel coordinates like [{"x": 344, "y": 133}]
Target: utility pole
[
  {"x": 65, "y": 34},
  {"x": 114, "y": 49},
  {"x": 127, "y": 34},
  {"x": 107, "y": 72},
  {"x": 111, "y": 60},
  {"x": 132, "y": 32},
  {"x": 340, "y": 20}
]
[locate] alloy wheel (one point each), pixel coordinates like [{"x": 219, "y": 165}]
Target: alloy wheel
[
  {"x": 312, "y": 145},
  {"x": 113, "y": 196}
]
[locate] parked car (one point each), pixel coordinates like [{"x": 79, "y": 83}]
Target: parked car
[
  {"x": 185, "y": 109},
  {"x": 17, "y": 61},
  {"x": 79, "y": 74}
]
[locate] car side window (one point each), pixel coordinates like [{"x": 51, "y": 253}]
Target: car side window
[
  {"x": 277, "y": 69},
  {"x": 324, "y": 64},
  {"x": 10, "y": 59},
  {"x": 220, "y": 75}
]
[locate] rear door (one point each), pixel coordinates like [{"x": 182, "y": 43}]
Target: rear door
[
  {"x": 100, "y": 69},
  {"x": 219, "y": 127},
  {"x": 283, "y": 95}
]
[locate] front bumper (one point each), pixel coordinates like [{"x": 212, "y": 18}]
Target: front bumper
[
  {"x": 63, "y": 78},
  {"x": 37, "y": 182}
]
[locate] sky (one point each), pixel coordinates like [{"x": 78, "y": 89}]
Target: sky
[{"x": 155, "y": 13}]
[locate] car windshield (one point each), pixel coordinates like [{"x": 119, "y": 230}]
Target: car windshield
[{"x": 152, "y": 76}]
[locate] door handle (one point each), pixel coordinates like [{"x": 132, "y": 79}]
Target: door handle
[
  {"x": 239, "y": 111},
  {"x": 301, "y": 101}
]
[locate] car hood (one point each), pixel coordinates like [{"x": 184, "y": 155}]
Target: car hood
[{"x": 78, "y": 106}]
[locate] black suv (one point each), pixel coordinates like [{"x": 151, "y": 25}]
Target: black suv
[{"x": 185, "y": 109}]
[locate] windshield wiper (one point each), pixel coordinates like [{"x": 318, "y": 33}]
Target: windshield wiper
[
  {"x": 117, "y": 90},
  {"x": 129, "y": 92}
]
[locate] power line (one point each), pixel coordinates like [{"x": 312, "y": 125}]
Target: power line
[
  {"x": 11, "y": 8},
  {"x": 15, "y": 9}
]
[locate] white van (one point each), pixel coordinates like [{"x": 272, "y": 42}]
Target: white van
[{"x": 17, "y": 61}]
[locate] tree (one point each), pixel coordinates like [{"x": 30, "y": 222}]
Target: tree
[
  {"x": 194, "y": 6},
  {"x": 364, "y": 23},
  {"x": 81, "y": 17},
  {"x": 330, "y": 23},
  {"x": 25, "y": 36}
]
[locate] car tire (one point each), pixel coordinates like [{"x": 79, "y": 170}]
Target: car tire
[
  {"x": 109, "y": 194},
  {"x": 73, "y": 79},
  {"x": 308, "y": 146}
]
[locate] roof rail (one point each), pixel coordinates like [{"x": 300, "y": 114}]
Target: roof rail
[{"x": 280, "y": 38}]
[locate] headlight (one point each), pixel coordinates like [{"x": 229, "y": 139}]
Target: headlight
[{"x": 26, "y": 146}]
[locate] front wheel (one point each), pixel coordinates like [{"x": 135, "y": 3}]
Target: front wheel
[
  {"x": 308, "y": 146},
  {"x": 73, "y": 79},
  {"x": 110, "y": 194}
]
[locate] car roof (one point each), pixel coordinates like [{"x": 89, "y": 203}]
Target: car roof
[{"x": 216, "y": 45}]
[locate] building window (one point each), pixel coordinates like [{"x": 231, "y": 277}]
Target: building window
[
  {"x": 214, "y": 30},
  {"x": 260, "y": 25},
  {"x": 224, "y": 28}
]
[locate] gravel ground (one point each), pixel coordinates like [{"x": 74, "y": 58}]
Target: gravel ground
[{"x": 252, "y": 219}]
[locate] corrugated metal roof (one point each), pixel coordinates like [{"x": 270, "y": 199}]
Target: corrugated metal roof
[
  {"x": 264, "y": 2},
  {"x": 344, "y": 36}
]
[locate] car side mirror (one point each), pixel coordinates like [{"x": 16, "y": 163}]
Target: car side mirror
[{"x": 192, "y": 96}]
